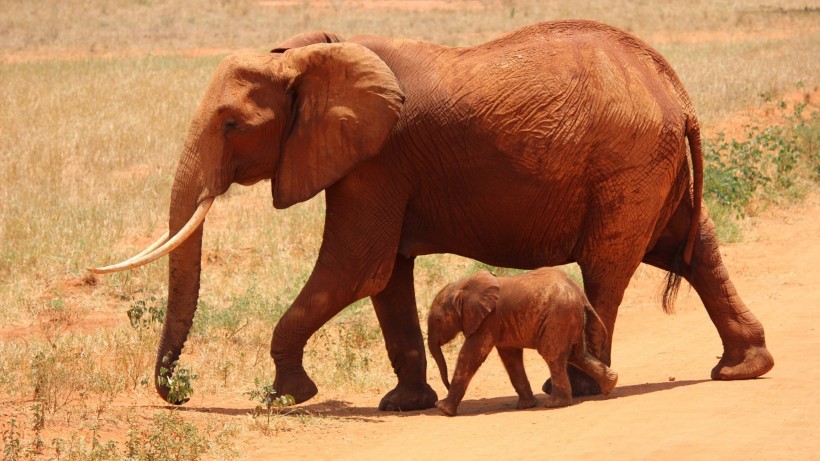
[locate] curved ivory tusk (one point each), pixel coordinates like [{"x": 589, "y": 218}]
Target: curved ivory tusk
[
  {"x": 146, "y": 256},
  {"x": 142, "y": 253},
  {"x": 152, "y": 246}
]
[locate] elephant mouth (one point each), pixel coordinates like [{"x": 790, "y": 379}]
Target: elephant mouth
[{"x": 163, "y": 245}]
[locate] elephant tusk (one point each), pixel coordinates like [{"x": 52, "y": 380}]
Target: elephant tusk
[
  {"x": 163, "y": 246},
  {"x": 153, "y": 246}
]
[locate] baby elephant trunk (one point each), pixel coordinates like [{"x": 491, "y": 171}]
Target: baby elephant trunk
[{"x": 434, "y": 344}]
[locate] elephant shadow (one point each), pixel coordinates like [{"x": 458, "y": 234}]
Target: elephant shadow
[
  {"x": 328, "y": 408},
  {"x": 646, "y": 388},
  {"x": 489, "y": 406},
  {"x": 469, "y": 407}
]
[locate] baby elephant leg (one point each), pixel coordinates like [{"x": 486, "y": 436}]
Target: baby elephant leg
[
  {"x": 605, "y": 377},
  {"x": 513, "y": 360},
  {"x": 561, "y": 395},
  {"x": 473, "y": 352}
]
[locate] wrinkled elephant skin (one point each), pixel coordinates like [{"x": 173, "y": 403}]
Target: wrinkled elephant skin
[{"x": 561, "y": 141}]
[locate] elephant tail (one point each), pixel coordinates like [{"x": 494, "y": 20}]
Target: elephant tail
[
  {"x": 683, "y": 257},
  {"x": 596, "y": 335},
  {"x": 696, "y": 151}
]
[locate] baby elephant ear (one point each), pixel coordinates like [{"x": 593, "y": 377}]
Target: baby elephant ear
[{"x": 479, "y": 298}]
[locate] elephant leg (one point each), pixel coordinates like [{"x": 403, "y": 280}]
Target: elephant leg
[
  {"x": 314, "y": 307},
  {"x": 606, "y": 377},
  {"x": 513, "y": 360},
  {"x": 561, "y": 392},
  {"x": 356, "y": 260},
  {"x": 473, "y": 352},
  {"x": 396, "y": 310},
  {"x": 605, "y": 291},
  {"x": 745, "y": 354}
]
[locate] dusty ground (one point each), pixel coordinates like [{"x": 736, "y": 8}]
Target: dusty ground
[{"x": 665, "y": 406}]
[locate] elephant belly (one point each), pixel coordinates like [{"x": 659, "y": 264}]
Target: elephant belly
[{"x": 518, "y": 226}]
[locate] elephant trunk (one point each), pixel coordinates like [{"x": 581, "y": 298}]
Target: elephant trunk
[
  {"x": 184, "y": 266},
  {"x": 434, "y": 344}
]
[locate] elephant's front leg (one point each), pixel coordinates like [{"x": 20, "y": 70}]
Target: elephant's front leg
[
  {"x": 356, "y": 260},
  {"x": 473, "y": 352},
  {"x": 396, "y": 310},
  {"x": 321, "y": 298}
]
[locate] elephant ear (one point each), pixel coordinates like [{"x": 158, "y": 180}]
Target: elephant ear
[
  {"x": 346, "y": 101},
  {"x": 307, "y": 38},
  {"x": 479, "y": 297}
]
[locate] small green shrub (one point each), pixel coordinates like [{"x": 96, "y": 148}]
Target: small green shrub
[
  {"x": 12, "y": 443},
  {"x": 58, "y": 377},
  {"x": 179, "y": 383},
  {"x": 76, "y": 449},
  {"x": 169, "y": 437},
  {"x": 146, "y": 313},
  {"x": 769, "y": 165},
  {"x": 270, "y": 403},
  {"x": 735, "y": 170}
]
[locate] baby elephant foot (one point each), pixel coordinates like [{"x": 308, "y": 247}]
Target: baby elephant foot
[
  {"x": 527, "y": 402},
  {"x": 609, "y": 382},
  {"x": 447, "y": 407},
  {"x": 554, "y": 401}
]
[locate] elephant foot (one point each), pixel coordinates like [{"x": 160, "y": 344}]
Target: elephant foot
[
  {"x": 582, "y": 385},
  {"x": 447, "y": 407},
  {"x": 407, "y": 398},
  {"x": 524, "y": 403},
  {"x": 750, "y": 363},
  {"x": 297, "y": 384}
]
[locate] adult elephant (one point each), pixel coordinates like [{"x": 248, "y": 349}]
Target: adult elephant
[{"x": 562, "y": 141}]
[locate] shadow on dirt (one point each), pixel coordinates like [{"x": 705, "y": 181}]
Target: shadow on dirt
[
  {"x": 640, "y": 389},
  {"x": 470, "y": 407},
  {"x": 504, "y": 404},
  {"x": 328, "y": 408}
]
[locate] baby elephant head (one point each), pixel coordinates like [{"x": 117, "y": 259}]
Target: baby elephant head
[{"x": 460, "y": 306}]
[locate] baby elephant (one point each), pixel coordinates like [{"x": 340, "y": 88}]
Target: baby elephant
[{"x": 542, "y": 310}]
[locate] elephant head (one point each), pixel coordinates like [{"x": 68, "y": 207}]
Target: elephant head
[
  {"x": 303, "y": 119},
  {"x": 460, "y": 306}
]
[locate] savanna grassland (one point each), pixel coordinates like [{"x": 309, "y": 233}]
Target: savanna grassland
[{"x": 96, "y": 98}]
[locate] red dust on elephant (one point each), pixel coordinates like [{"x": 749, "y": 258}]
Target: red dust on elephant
[{"x": 558, "y": 142}]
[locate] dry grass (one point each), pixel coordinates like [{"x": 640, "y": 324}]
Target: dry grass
[{"x": 89, "y": 147}]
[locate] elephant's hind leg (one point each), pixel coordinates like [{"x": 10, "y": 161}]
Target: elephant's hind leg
[
  {"x": 396, "y": 310},
  {"x": 745, "y": 354},
  {"x": 513, "y": 360},
  {"x": 606, "y": 377},
  {"x": 605, "y": 291},
  {"x": 561, "y": 392}
]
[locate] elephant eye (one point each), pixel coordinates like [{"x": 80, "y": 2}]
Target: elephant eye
[{"x": 230, "y": 125}]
